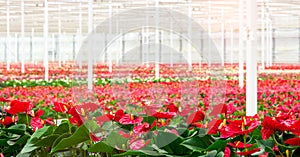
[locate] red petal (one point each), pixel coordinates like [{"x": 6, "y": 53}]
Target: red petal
[{"x": 293, "y": 141}]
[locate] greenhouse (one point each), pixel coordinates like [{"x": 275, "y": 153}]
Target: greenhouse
[{"x": 193, "y": 78}]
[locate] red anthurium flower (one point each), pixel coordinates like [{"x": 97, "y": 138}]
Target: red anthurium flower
[
  {"x": 218, "y": 109},
  {"x": 172, "y": 108},
  {"x": 104, "y": 118},
  {"x": 227, "y": 152},
  {"x": 195, "y": 117},
  {"x": 248, "y": 152},
  {"x": 61, "y": 107},
  {"x": 293, "y": 141},
  {"x": 239, "y": 144},
  {"x": 160, "y": 123},
  {"x": 87, "y": 107},
  {"x": 118, "y": 115},
  {"x": 75, "y": 119},
  {"x": 269, "y": 126},
  {"x": 38, "y": 113},
  {"x": 214, "y": 125},
  {"x": 94, "y": 137},
  {"x": 37, "y": 123},
  {"x": 166, "y": 115},
  {"x": 17, "y": 106},
  {"x": 8, "y": 120},
  {"x": 124, "y": 134},
  {"x": 130, "y": 119},
  {"x": 238, "y": 127},
  {"x": 138, "y": 144},
  {"x": 296, "y": 127},
  {"x": 141, "y": 128},
  {"x": 2, "y": 99}
]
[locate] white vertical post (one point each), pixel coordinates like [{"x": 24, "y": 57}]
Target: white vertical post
[
  {"x": 251, "y": 91},
  {"x": 147, "y": 38},
  {"x": 90, "y": 56},
  {"x": 171, "y": 41},
  {"x": 268, "y": 43},
  {"x": 7, "y": 36},
  {"x": 143, "y": 44},
  {"x": 231, "y": 43},
  {"x": 110, "y": 34},
  {"x": 241, "y": 44},
  {"x": 156, "y": 39},
  {"x": 53, "y": 47},
  {"x": 59, "y": 37},
  {"x": 22, "y": 38},
  {"x": 189, "y": 36},
  {"x": 46, "y": 40},
  {"x": 32, "y": 42},
  {"x": 79, "y": 38},
  {"x": 16, "y": 47},
  {"x": 209, "y": 33},
  {"x": 120, "y": 41},
  {"x": 222, "y": 38},
  {"x": 263, "y": 36},
  {"x": 271, "y": 43}
]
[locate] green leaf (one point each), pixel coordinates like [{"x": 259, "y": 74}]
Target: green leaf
[
  {"x": 165, "y": 138},
  {"x": 101, "y": 147},
  {"x": 16, "y": 145},
  {"x": 265, "y": 146},
  {"x": 29, "y": 146},
  {"x": 16, "y": 129},
  {"x": 139, "y": 152},
  {"x": 80, "y": 135},
  {"x": 22, "y": 118},
  {"x": 47, "y": 141},
  {"x": 210, "y": 154},
  {"x": 198, "y": 143},
  {"x": 65, "y": 135},
  {"x": 91, "y": 125},
  {"x": 220, "y": 154},
  {"x": 3, "y": 142},
  {"x": 62, "y": 128},
  {"x": 116, "y": 140},
  {"x": 171, "y": 143},
  {"x": 219, "y": 145}
]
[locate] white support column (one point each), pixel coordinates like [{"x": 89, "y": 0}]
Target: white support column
[
  {"x": 32, "y": 43},
  {"x": 271, "y": 43},
  {"x": 16, "y": 47},
  {"x": 118, "y": 32},
  {"x": 53, "y": 48},
  {"x": 171, "y": 41},
  {"x": 90, "y": 55},
  {"x": 8, "y": 36},
  {"x": 231, "y": 44},
  {"x": 189, "y": 35},
  {"x": 268, "y": 43},
  {"x": 222, "y": 38},
  {"x": 22, "y": 38},
  {"x": 59, "y": 51},
  {"x": 241, "y": 44},
  {"x": 156, "y": 39},
  {"x": 79, "y": 37},
  {"x": 147, "y": 37},
  {"x": 263, "y": 39},
  {"x": 209, "y": 33},
  {"x": 110, "y": 34},
  {"x": 251, "y": 91},
  {"x": 46, "y": 40}
]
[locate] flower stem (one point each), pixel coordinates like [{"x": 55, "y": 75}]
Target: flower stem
[{"x": 278, "y": 144}]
